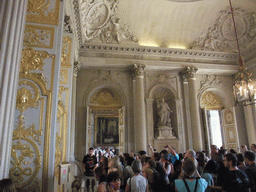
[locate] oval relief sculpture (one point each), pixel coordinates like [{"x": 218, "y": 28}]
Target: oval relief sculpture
[
  {"x": 97, "y": 16},
  {"x": 228, "y": 28}
]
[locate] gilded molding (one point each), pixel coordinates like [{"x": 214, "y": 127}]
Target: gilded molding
[
  {"x": 64, "y": 76},
  {"x": 43, "y": 11},
  {"x": 121, "y": 117},
  {"x": 38, "y": 36},
  {"x": 139, "y": 69},
  {"x": 105, "y": 97},
  {"x": 211, "y": 101},
  {"x": 66, "y": 51}
]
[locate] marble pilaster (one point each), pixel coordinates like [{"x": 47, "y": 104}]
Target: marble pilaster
[
  {"x": 190, "y": 73},
  {"x": 12, "y": 22},
  {"x": 250, "y": 124},
  {"x": 140, "y": 132}
]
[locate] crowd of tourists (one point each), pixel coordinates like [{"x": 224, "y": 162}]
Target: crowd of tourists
[{"x": 167, "y": 170}]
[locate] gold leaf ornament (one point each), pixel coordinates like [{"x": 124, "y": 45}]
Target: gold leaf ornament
[
  {"x": 37, "y": 6},
  {"x": 32, "y": 60},
  {"x": 25, "y": 97}
]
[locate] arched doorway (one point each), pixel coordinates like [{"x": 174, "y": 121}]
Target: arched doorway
[
  {"x": 219, "y": 123},
  {"x": 105, "y": 120}
]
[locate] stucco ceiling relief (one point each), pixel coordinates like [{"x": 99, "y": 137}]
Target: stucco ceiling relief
[
  {"x": 210, "y": 81},
  {"x": 100, "y": 22},
  {"x": 221, "y": 36}
]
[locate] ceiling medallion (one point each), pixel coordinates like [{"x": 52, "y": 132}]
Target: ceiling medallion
[
  {"x": 100, "y": 23},
  {"x": 221, "y": 37}
]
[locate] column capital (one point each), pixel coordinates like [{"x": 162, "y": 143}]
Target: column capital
[
  {"x": 189, "y": 72},
  {"x": 139, "y": 69}
]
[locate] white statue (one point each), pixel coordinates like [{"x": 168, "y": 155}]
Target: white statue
[{"x": 164, "y": 113}]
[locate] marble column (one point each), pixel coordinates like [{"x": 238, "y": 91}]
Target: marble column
[
  {"x": 12, "y": 23},
  {"x": 73, "y": 113},
  {"x": 250, "y": 124},
  {"x": 189, "y": 144},
  {"x": 140, "y": 132},
  {"x": 190, "y": 73},
  {"x": 150, "y": 122}
]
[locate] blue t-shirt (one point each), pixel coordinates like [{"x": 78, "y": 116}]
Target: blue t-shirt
[
  {"x": 174, "y": 157},
  {"x": 201, "y": 186}
]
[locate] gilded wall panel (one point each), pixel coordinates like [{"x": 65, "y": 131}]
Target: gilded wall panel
[
  {"x": 28, "y": 142},
  {"x": 43, "y": 11},
  {"x": 66, "y": 52},
  {"x": 30, "y": 149},
  {"x": 34, "y": 61},
  {"x": 64, "y": 76},
  {"x": 38, "y": 36}
]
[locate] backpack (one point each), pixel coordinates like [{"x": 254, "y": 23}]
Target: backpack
[{"x": 159, "y": 183}]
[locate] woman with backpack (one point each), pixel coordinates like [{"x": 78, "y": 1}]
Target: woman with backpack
[{"x": 189, "y": 183}]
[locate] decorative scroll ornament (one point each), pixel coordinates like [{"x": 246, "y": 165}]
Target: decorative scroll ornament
[
  {"x": 98, "y": 18},
  {"x": 211, "y": 101},
  {"x": 58, "y": 154},
  {"x": 38, "y": 36},
  {"x": 26, "y": 157},
  {"x": 139, "y": 69},
  {"x": 190, "y": 72},
  {"x": 105, "y": 97},
  {"x": 210, "y": 81},
  {"x": 66, "y": 51},
  {"x": 27, "y": 96},
  {"x": 32, "y": 60},
  {"x": 221, "y": 37}
]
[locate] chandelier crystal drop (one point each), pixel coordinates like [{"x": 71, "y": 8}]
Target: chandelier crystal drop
[{"x": 244, "y": 86}]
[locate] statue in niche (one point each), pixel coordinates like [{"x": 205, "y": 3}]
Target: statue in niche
[
  {"x": 164, "y": 112},
  {"x": 164, "y": 124}
]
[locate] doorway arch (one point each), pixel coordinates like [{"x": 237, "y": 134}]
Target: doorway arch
[{"x": 105, "y": 105}]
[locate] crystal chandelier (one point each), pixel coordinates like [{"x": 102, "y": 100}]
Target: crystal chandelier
[{"x": 244, "y": 86}]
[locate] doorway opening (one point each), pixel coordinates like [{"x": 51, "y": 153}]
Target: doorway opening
[{"x": 215, "y": 130}]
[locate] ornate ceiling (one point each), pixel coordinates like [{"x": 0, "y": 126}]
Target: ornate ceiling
[{"x": 191, "y": 28}]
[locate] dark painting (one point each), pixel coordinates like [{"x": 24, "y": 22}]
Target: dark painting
[{"x": 107, "y": 130}]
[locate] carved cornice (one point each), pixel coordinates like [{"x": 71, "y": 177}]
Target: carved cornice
[
  {"x": 190, "y": 72},
  {"x": 139, "y": 69},
  {"x": 155, "y": 53}
]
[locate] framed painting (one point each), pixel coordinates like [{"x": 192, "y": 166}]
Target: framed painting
[{"x": 107, "y": 130}]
